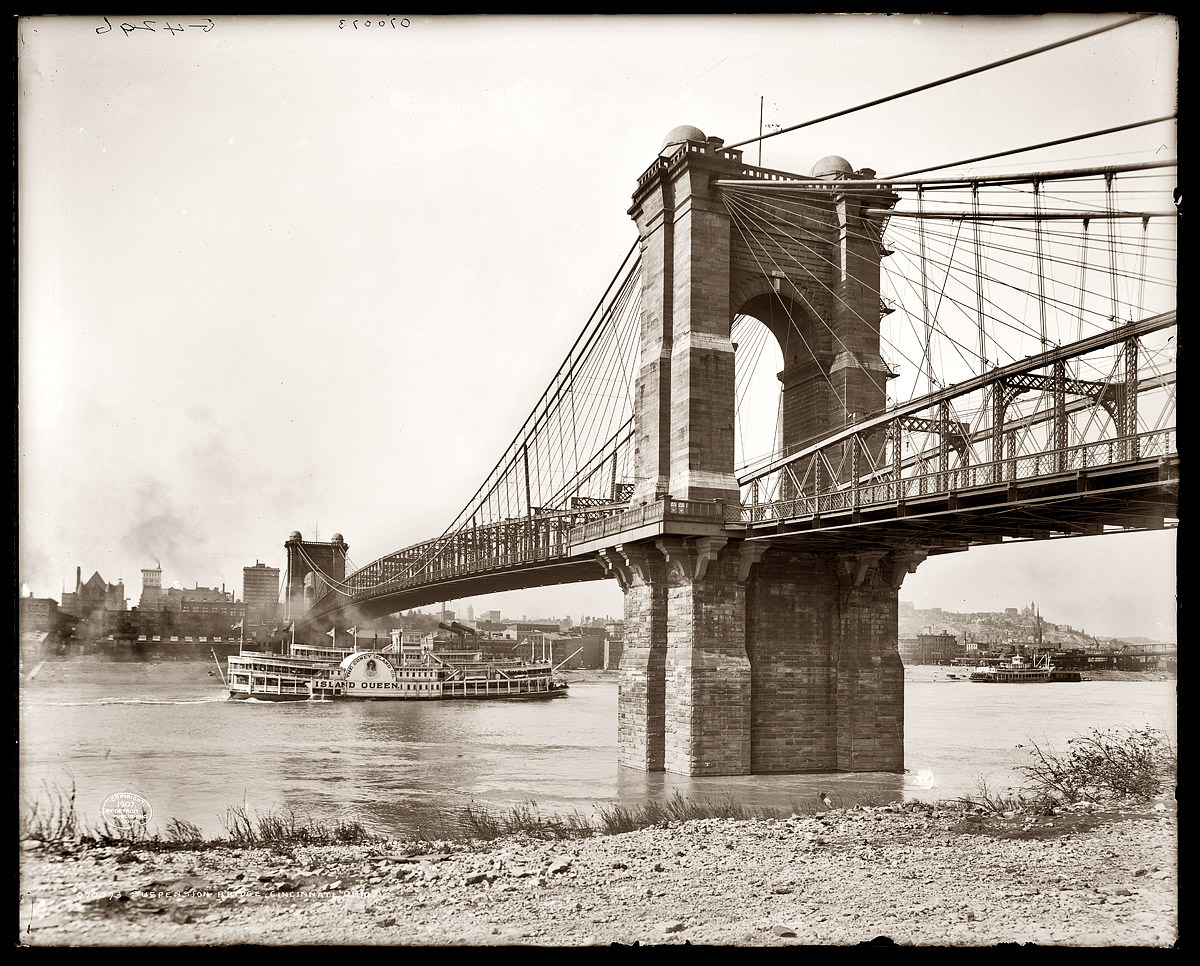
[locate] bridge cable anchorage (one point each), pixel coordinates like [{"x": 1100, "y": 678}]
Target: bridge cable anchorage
[{"x": 945, "y": 80}]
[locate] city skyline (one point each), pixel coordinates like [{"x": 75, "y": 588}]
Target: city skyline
[
  {"x": 276, "y": 274},
  {"x": 463, "y": 608}
]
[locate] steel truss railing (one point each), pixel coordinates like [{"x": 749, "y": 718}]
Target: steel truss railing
[
  {"x": 924, "y": 447},
  {"x": 926, "y": 482},
  {"x": 521, "y": 541}
]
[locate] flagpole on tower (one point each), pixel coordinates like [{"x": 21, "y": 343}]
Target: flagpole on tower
[{"x": 760, "y": 120}]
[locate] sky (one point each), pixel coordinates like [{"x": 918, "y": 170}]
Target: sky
[{"x": 302, "y": 273}]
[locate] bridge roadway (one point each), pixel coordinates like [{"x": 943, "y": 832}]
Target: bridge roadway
[{"x": 937, "y": 512}]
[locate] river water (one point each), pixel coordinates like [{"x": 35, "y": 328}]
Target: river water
[{"x": 167, "y": 732}]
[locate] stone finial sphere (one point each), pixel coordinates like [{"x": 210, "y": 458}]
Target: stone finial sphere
[
  {"x": 831, "y": 166},
  {"x": 685, "y": 132}
]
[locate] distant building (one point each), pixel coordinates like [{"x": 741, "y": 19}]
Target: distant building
[
  {"x": 930, "y": 649},
  {"x": 260, "y": 593},
  {"x": 207, "y": 600},
  {"x": 614, "y": 644},
  {"x": 590, "y": 642},
  {"x": 92, "y": 599},
  {"x": 152, "y": 595},
  {"x": 519, "y": 630},
  {"x": 38, "y": 613}
]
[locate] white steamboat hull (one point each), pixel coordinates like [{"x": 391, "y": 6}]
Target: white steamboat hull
[{"x": 374, "y": 676}]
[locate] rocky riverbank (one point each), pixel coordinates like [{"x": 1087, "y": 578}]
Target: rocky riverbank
[{"x": 909, "y": 874}]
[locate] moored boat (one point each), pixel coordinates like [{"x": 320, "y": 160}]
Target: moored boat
[{"x": 1018, "y": 671}]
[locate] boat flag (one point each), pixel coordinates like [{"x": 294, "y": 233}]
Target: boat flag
[
  {"x": 237, "y": 625},
  {"x": 292, "y": 628},
  {"x": 333, "y": 632}
]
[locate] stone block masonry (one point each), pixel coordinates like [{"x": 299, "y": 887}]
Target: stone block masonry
[
  {"x": 756, "y": 660},
  {"x": 641, "y": 726}
]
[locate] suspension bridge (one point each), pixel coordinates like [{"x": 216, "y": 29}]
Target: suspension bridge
[{"x": 961, "y": 360}]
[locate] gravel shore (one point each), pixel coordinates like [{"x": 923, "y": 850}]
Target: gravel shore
[{"x": 909, "y": 874}]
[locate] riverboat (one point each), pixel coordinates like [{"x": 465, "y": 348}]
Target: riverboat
[
  {"x": 1017, "y": 672},
  {"x": 281, "y": 677},
  {"x": 388, "y": 675}
]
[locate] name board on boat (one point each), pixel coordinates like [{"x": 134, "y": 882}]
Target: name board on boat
[{"x": 369, "y": 671}]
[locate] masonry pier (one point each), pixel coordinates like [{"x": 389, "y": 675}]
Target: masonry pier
[{"x": 751, "y": 656}]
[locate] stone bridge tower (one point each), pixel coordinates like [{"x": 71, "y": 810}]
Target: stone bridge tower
[
  {"x": 753, "y": 656},
  {"x": 309, "y": 564}
]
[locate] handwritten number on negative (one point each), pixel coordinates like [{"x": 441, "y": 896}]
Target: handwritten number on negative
[{"x": 178, "y": 28}]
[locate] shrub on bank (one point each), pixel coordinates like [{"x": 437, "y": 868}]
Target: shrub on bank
[{"x": 1133, "y": 763}]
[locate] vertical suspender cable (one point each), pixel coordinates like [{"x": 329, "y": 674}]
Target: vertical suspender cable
[
  {"x": 1141, "y": 296},
  {"x": 1112, "y": 247},
  {"x": 978, "y": 280},
  {"x": 1083, "y": 264},
  {"x": 924, "y": 288},
  {"x": 528, "y": 498},
  {"x": 1041, "y": 269}
]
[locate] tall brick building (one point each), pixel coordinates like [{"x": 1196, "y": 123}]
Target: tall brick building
[{"x": 260, "y": 593}]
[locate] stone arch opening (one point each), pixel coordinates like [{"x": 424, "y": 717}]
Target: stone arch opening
[
  {"x": 757, "y": 430},
  {"x": 803, "y": 351}
]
